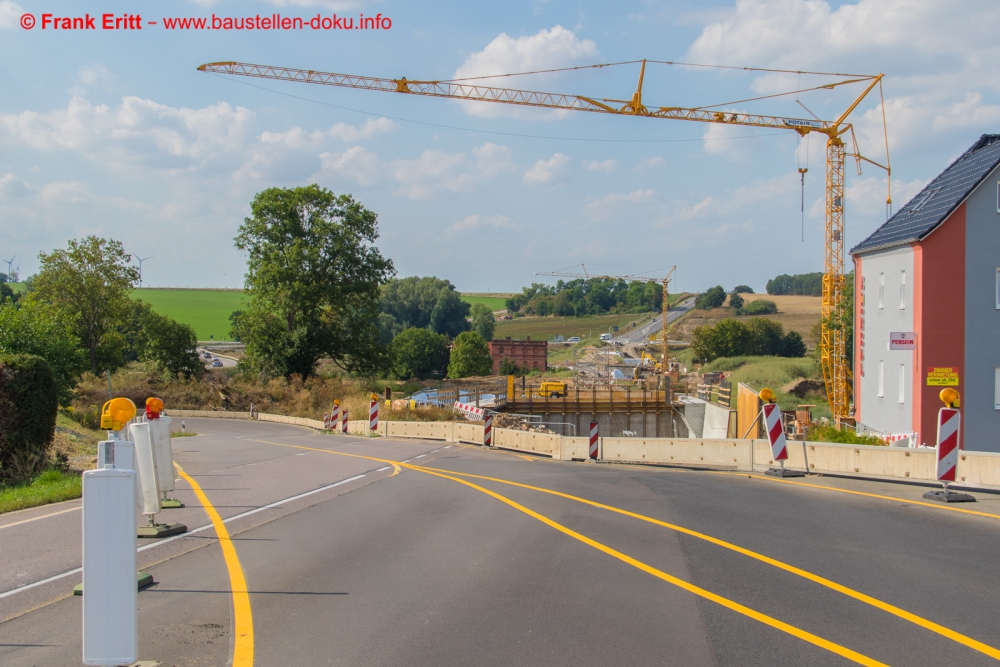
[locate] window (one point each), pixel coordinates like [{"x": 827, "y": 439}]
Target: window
[
  {"x": 881, "y": 293},
  {"x": 902, "y": 290},
  {"x": 996, "y": 388},
  {"x": 998, "y": 289},
  {"x": 881, "y": 378},
  {"x": 902, "y": 383}
]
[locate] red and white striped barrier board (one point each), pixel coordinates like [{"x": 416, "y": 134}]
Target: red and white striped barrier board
[
  {"x": 373, "y": 416},
  {"x": 326, "y": 421},
  {"x": 896, "y": 437},
  {"x": 948, "y": 431},
  {"x": 334, "y": 416},
  {"x": 471, "y": 412},
  {"x": 488, "y": 431},
  {"x": 775, "y": 431},
  {"x": 345, "y": 420},
  {"x": 593, "y": 440}
]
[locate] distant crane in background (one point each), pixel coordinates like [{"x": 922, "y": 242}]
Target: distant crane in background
[
  {"x": 665, "y": 280},
  {"x": 833, "y": 353},
  {"x": 140, "y": 260}
]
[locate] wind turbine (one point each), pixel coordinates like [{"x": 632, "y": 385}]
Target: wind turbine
[
  {"x": 140, "y": 260},
  {"x": 9, "y": 262}
]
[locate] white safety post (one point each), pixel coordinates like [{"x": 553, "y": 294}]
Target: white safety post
[
  {"x": 159, "y": 431},
  {"x": 110, "y": 606},
  {"x": 146, "y": 467}
]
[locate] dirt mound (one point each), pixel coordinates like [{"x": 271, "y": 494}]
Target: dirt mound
[{"x": 803, "y": 387}]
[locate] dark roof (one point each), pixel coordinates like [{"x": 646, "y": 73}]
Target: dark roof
[{"x": 934, "y": 203}]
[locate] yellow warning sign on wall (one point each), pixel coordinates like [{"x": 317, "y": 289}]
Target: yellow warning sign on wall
[{"x": 942, "y": 377}]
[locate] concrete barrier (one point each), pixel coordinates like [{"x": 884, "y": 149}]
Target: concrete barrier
[
  {"x": 528, "y": 441},
  {"x": 733, "y": 454},
  {"x": 215, "y": 414},
  {"x": 297, "y": 421}
]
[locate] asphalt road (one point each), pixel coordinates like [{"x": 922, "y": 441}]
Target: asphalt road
[
  {"x": 642, "y": 334},
  {"x": 379, "y": 567}
]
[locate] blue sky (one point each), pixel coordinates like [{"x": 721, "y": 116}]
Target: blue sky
[{"x": 115, "y": 132}]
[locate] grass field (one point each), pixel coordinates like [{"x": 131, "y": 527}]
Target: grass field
[
  {"x": 495, "y": 302},
  {"x": 542, "y": 328},
  {"x": 206, "y": 310}
]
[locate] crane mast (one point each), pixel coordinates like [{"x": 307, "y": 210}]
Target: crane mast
[{"x": 833, "y": 353}]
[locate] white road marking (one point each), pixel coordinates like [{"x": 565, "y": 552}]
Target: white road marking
[
  {"x": 44, "y": 516},
  {"x": 406, "y": 461},
  {"x": 384, "y": 469},
  {"x": 446, "y": 447},
  {"x": 190, "y": 532},
  {"x": 420, "y": 456}
]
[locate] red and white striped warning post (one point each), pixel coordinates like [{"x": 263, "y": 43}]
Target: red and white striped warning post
[
  {"x": 593, "y": 440},
  {"x": 335, "y": 415},
  {"x": 326, "y": 421},
  {"x": 373, "y": 416},
  {"x": 771, "y": 415},
  {"x": 345, "y": 421},
  {"x": 949, "y": 432},
  {"x": 488, "y": 431}
]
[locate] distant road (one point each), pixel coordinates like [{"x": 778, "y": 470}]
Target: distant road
[
  {"x": 227, "y": 362},
  {"x": 642, "y": 334}
]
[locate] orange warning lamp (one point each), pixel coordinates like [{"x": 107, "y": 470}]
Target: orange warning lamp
[
  {"x": 950, "y": 397},
  {"x": 374, "y": 397},
  {"x": 116, "y": 413},
  {"x": 154, "y": 406},
  {"x": 767, "y": 395},
  {"x": 336, "y": 401}
]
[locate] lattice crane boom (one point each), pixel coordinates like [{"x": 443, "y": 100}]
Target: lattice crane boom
[{"x": 836, "y": 372}]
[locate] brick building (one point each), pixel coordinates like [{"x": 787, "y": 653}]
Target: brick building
[{"x": 530, "y": 354}]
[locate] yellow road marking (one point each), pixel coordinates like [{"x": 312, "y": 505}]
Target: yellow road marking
[
  {"x": 242, "y": 616},
  {"x": 395, "y": 470},
  {"x": 44, "y": 516},
  {"x": 805, "y": 574},
  {"x": 680, "y": 583},
  {"x": 937, "y": 506}
]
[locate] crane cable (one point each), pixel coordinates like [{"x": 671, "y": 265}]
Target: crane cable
[{"x": 802, "y": 175}]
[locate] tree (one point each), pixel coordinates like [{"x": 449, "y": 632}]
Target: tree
[
  {"x": 90, "y": 282},
  {"x": 742, "y": 289},
  {"x": 735, "y": 300},
  {"x": 766, "y": 337},
  {"x": 6, "y": 293},
  {"x": 313, "y": 279},
  {"x": 28, "y": 406},
  {"x": 759, "y": 307},
  {"x": 418, "y": 353},
  {"x": 470, "y": 356},
  {"x": 38, "y": 328},
  {"x": 757, "y": 337},
  {"x": 806, "y": 284},
  {"x": 483, "y": 322},
  {"x": 164, "y": 341},
  {"x": 508, "y": 367},
  {"x": 713, "y": 298},
  {"x": 793, "y": 345},
  {"x": 423, "y": 302}
]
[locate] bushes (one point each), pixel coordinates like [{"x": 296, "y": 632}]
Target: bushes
[
  {"x": 826, "y": 433},
  {"x": 734, "y": 338},
  {"x": 758, "y": 307},
  {"x": 419, "y": 353},
  {"x": 807, "y": 284},
  {"x": 713, "y": 298},
  {"x": 29, "y": 401}
]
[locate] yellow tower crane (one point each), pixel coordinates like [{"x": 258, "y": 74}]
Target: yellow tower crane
[{"x": 836, "y": 372}]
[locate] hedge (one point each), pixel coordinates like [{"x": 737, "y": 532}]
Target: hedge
[{"x": 29, "y": 400}]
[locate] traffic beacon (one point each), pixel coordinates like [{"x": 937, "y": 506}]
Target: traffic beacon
[
  {"x": 770, "y": 415},
  {"x": 949, "y": 431}
]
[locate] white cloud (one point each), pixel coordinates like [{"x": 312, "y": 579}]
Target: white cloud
[
  {"x": 650, "y": 163},
  {"x": 477, "y": 221},
  {"x": 357, "y": 164},
  {"x": 605, "y": 166},
  {"x": 13, "y": 186},
  {"x": 435, "y": 171},
  {"x": 548, "y": 49},
  {"x": 866, "y": 196},
  {"x": 299, "y": 138},
  {"x": 544, "y": 172},
  {"x": 10, "y": 14},
  {"x": 610, "y": 205},
  {"x": 138, "y": 131},
  {"x": 91, "y": 76}
]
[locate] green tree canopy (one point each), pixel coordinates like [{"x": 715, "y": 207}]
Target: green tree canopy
[
  {"x": 34, "y": 327},
  {"x": 736, "y": 338},
  {"x": 424, "y": 303},
  {"x": 483, "y": 322},
  {"x": 742, "y": 289},
  {"x": 90, "y": 282},
  {"x": 470, "y": 356},
  {"x": 713, "y": 298},
  {"x": 29, "y": 403},
  {"x": 735, "y": 300},
  {"x": 164, "y": 341},
  {"x": 418, "y": 353},
  {"x": 804, "y": 284},
  {"x": 312, "y": 282}
]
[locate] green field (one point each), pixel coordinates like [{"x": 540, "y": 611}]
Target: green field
[
  {"x": 493, "y": 302},
  {"x": 543, "y": 328},
  {"x": 206, "y": 310}
]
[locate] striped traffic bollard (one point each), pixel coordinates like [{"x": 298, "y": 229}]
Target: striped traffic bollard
[
  {"x": 334, "y": 417},
  {"x": 949, "y": 430},
  {"x": 326, "y": 421},
  {"x": 373, "y": 416},
  {"x": 488, "y": 431},
  {"x": 771, "y": 415},
  {"x": 593, "y": 440},
  {"x": 345, "y": 421}
]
